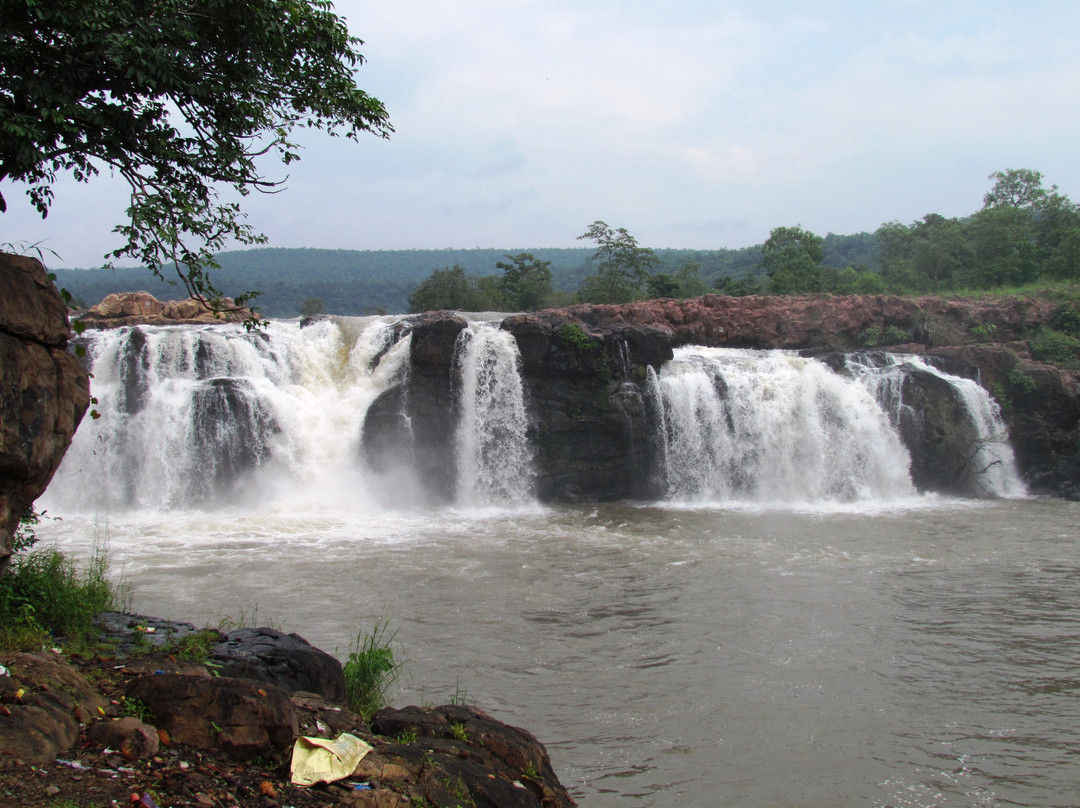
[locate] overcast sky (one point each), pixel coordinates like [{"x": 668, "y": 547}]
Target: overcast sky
[{"x": 692, "y": 123}]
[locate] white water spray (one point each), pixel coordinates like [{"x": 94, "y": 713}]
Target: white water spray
[
  {"x": 494, "y": 460},
  {"x": 770, "y": 427},
  {"x": 993, "y": 460}
]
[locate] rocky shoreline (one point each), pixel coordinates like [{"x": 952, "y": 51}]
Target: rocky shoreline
[{"x": 140, "y": 724}]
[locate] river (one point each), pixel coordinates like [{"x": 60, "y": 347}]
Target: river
[{"x": 921, "y": 654}]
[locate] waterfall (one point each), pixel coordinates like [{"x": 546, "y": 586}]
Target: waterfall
[
  {"x": 204, "y": 416},
  {"x": 770, "y": 427},
  {"x": 494, "y": 460},
  {"x": 990, "y": 457}
]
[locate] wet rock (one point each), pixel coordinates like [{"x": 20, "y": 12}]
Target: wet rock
[
  {"x": 43, "y": 701},
  {"x": 286, "y": 660},
  {"x": 242, "y": 718},
  {"x": 133, "y": 739}
]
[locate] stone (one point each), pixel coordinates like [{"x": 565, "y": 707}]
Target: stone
[
  {"x": 133, "y": 739},
  {"x": 244, "y": 719},
  {"x": 286, "y": 660},
  {"x": 142, "y": 308},
  {"x": 44, "y": 392},
  {"x": 45, "y": 719}
]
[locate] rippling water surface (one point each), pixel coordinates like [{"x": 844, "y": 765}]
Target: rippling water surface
[{"x": 926, "y": 654}]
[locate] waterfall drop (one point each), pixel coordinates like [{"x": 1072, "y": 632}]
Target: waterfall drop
[
  {"x": 494, "y": 460},
  {"x": 769, "y": 427}
]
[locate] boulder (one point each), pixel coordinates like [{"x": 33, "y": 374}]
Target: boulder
[
  {"x": 462, "y": 756},
  {"x": 43, "y": 702},
  {"x": 142, "y": 308},
  {"x": 285, "y": 660},
  {"x": 43, "y": 390},
  {"x": 129, "y": 736},
  {"x": 242, "y": 718}
]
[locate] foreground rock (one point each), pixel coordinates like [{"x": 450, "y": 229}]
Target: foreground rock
[
  {"x": 203, "y": 740},
  {"x": 43, "y": 390}
]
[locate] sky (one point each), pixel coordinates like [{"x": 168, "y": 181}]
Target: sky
[{"x": 696, "y": 124}]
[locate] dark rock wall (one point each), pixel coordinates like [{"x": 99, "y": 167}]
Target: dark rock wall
[{"x": 43, "y": 390}]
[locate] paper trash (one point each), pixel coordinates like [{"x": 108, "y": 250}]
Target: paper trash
[{"x": 316, "y": 760}]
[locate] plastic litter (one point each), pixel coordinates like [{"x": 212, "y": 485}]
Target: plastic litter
[
  {"x": 4, "y": 671},
  {"x": 320, "y": 760}
]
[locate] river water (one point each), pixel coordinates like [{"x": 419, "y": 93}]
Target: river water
[{"x": 921, "y": 652}]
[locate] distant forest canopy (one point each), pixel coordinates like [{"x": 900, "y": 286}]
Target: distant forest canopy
[{"x": 1024, "y": 233}]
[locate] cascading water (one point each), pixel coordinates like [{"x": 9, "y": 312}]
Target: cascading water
[
  {"x": 989, "y": 457},
  {"x": 188, "y": 415},
  {"x": 770, "y": 427},
  {"x": 494, "y": 460}
]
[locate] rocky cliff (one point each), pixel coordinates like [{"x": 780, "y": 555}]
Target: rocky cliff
[
  {"x": 43, "y": 390},
  {"x": 585, "y": 369}
]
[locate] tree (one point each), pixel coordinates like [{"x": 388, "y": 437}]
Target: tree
[
  {"x": 452, "y": 288},
  {"x": 525, "y": 284},
  {"x": 179, "y": 98},
  {"x": 624, "y": 266},
  {"x": 791, "y": 257}
]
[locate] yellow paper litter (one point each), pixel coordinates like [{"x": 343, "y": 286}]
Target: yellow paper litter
[{"x": 320, "y": 760}]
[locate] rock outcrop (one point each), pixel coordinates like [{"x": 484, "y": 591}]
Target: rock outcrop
[
  {"x": 43, "y": 390},
  {"x": 592, "y": 422},
  {"x": 142, "y": 308},
  {"x": 230, "y": 738}
]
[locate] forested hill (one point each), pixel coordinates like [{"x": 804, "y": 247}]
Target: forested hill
[{"x": 354, "y": 282}]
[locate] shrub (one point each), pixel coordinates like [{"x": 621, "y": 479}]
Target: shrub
[
  {"x": 574, "y": 335},
  {"x": 1054, "y": 347},
  {"x": 371, "y": 671}
]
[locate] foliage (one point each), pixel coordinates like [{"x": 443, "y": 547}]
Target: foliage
[
  {"x": 1020, "y": 381},
  {"x": 452, "y": 288},
  {"x": 195, "y": 647},
  {"x": 574, "y": 335},
  {"x": 179, "y": 99},
  {"x": 526, "y": 282},
  {"x": 43, "y": 594},
  {"x": 371, "y": 671},
  {"x": 792, "y": 257},
  {"x": 1055, "y": 347},
  {"x": 623, "y": 266},
  {"x": 457, "y": 729}
]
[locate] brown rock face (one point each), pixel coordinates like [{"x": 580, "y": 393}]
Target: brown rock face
[
  {"x": 43, "y": 390},
  {"x": 142, "y": 308},
  {"x": 43, "y": 700},
  {"x": 240, "y": 717}
]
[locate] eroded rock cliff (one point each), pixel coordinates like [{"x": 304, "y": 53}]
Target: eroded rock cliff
[{"x": 43, "y": 390}]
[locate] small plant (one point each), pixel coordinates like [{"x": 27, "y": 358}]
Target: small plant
[
  {"x": 574, "y": 335},
  {"x": 1020, "y": 381},
  {"x": 371, "y": 671},
  {"x": 530, "y": 770},
  {"x": 461, "y": 694},
  {"x": 457, "y": 729},
  {"x": 136, "y": 709},
  {"x": 983, "y": 331},
  {"x": 407, "y": 736},
  {"x": 195, "y": 647}
]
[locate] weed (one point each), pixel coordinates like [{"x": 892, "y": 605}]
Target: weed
[
  {"x": 371, "y": 671},
  {"x": 44, "y": 594},
  {"x": 983, "y": 332},
  {"x": 136, "y": 708},
  {"x": 407, "y": 736},
  {"x": 1020, "y": 381},
  {"x": 456, "y": 786},
  {"x": 461, "y": 694},
  {"x": 530, "y": 770},
  {"x": 457, "y": 729},
  {"x": 195, "y": 647},
  {"x": 574, "y": 335}
]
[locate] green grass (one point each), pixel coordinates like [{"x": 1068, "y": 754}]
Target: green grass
[
  {"x": 45, "y": 596},
  {"x": 371, "y": 670}
]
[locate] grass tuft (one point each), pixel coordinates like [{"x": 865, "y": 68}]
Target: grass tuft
[
  {"x": 371, "y": 671},
  {"x": 45, "y": 596}
]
